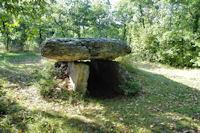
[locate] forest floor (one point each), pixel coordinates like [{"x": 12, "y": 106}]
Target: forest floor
[{"x": 169, "y": 101}]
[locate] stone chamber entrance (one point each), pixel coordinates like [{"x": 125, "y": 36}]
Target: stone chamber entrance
[{"x": 96, "y": 78}]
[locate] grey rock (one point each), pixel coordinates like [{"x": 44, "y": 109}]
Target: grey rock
[
  {"x": 75, "y": 76},
  {"x": 72, "y": 49}
]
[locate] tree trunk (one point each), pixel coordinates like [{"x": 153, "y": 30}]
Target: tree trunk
[
  {"x": 62, "y": 29},
  {"x": 7, "y": 42},
  {"x": 40, "y": 34},
  {"x": 23, "y": 37},
  {"x": 79, "y": 32},
  {"x": 124, "y": 33},
  {"x": 196, "y": 23},
  {"x": 83, "y": 30},
  {"x": 130, "y": 41},
  {"x": 7, "y": 35},
  {"x": 141, "y": 13}
]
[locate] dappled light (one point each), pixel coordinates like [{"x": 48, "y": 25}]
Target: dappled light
[
  {"x": 100, "y": 66},
  {"x": 161, "y": 105}
]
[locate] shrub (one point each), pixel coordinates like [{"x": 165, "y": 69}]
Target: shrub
[
  {"x": 131, "y": 87},
  {"x": 50, "y": 88},
  {"x": 169, "y": 47},
  {"x": 2, "y": 93},
  {"x": 177, "y": 50}
]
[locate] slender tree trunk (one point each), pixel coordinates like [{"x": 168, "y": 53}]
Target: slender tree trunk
[
  {"x": 171, "y": 17},
  {"x": 7, "y": 42},
  {"x": 141, "y": 13},
  {"x": 170, "y": 22},
  {"x": 23, "y": 37},
  {"x": 196, "y": 23},
  {"x": 40, "y": 34},
  {"x": 129, "y": 35},
  {"x": 62, "y": 29},
  {"x": 79, "y": 32},
  {"x": 130, "y": 40},
  {"x": 7, "y": 35},
  {"x": 83, "y": 30},
  {"x": 79, "y": 35},
  {"x": 124, "y": 33}
]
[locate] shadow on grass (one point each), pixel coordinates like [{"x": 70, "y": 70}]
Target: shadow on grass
[
  {"x": 17, "y": 77},
  {"x": 162, "y": 105},
  {"x": 15, "y": 68},
  {"x": 76, "y": 124},
  {"x": 20, "y": 58},
  {"x": 12, "y": 116}
]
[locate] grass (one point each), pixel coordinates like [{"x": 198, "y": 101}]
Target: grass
[{"x": 169, "y": 100}]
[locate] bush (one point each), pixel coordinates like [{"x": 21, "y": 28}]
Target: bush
[
  {"x": 50, "y": 88},
  {"x": 168, "y": 47},
  {"x": 177, "y": 50},
  {"x": 145, "y": 45},
  {"x": 2, "y": 93},
  {"x": 131, "y": 87}
]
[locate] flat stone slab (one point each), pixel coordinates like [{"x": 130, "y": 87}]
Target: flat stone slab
[{"x": 72, "y": 49}]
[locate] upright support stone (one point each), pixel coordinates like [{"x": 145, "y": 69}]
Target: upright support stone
[{"x": 77, "y": 75}]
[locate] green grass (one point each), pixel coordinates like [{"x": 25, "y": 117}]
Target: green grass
[{"x": 169, "y": 100}]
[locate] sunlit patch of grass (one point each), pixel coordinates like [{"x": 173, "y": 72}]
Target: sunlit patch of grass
[
  {"x": 17, "y": 58},
  {"x": 186, "y": 76}
]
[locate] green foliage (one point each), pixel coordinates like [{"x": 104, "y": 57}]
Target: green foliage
[
  {"x": 168, "y": 47},
  {"x": 131, "y": 87},
  {"x": 3, "y": 101},
  {"x": 51, "y": 89},
  {"x": 16, "y": 57},
  {"x": 10, "y": 8},
  {"x": 165, "y": 31},
  {"x": 177, "y": 50},
  {"x": 1, "y": 90},
  {"x": 12, "y": 117}
]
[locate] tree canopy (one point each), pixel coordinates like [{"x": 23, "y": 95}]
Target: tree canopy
[{"x": 166, "y": 31}]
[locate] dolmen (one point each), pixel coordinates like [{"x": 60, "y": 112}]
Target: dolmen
[{"x": 87, "y": 64}]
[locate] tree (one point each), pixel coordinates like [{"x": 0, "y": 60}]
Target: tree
[
  {"x": 124, "y": 14},
  {"x": 79, "y": 15},
  {"x": 12, "y": 9}
]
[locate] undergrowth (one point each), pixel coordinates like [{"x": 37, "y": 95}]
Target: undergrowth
[
  {"x": 52, "y": 88},
  {"x": 131, "y": 87}
]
